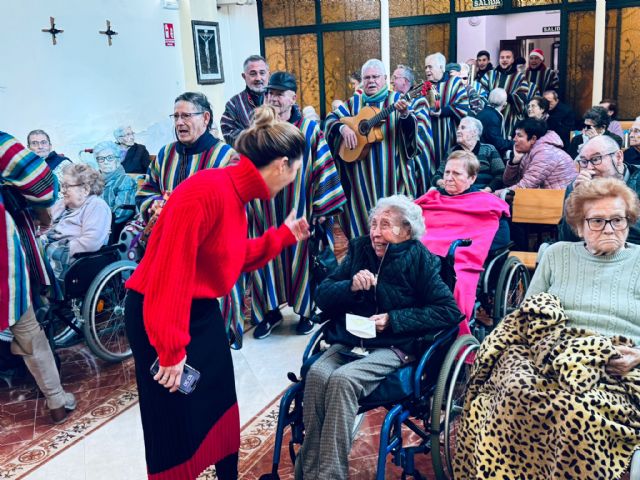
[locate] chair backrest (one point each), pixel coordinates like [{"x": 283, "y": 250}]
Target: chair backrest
[
  {"x": 536, "y": 205},
  {"x": 626, "y": 124}
]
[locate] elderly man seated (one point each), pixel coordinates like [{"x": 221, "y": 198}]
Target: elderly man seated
[
  {"x": 492, "y": 122},
  {"x": 601, "y": 157},
  {"x": 632, "y": 154},
  {"x": 81, "y": 219},
  {"x": 538, "y": 160},
  {"x": 391, "y": 278},
  {"x": 134, "y": 157},
  {"x": 119, "y": 189},
  {"x": 489, "y": 175},
  {"x": 39, "y": 143},
  {"x": 554, "y": 390}
]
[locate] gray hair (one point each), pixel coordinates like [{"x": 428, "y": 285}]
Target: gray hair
[
  {"x": 119, "y": 132},
  {"x": 254, "y": 58},
  {"x": 85, "y": 175},
  {"x": 37, "y": 132},
  {"x": 497, "y": 97},
  {"x": 475, "y": 124},
  {"x": 605, "y": 140},
  {"x": 108, "y": 145},
  {"x": 373, "y": 63},
  {"x": 409, "y": 212},
  {"x": 439, "y": 58},
  {"x": 200, "y": 101},
  {"x": 637, "y": 119},
  {"x": 464, "y": 68},
  {"x": 407, "y": 72}
]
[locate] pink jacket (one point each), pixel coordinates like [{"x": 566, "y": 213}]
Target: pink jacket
[{"x": 545, "y": 166}]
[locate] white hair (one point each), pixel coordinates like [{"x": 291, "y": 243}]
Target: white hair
[
  {"x": 497, "y": 97},
  {"x": 119, "y": 132},
  {"x": 439, "y": 58},
  {"x": 464, "y": 68},
  {"x": 410, "y": 213},
  {"x": 637, "y": 119},
  {"x": 475, "y": 124},
  {"x": 375, "y": 64}
]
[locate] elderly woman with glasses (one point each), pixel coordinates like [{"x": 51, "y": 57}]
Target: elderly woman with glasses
[
  {"x": 596, "y": 122},
  {"x": 134, "y": 157},
  {"x": 81, "y": 219},
  {"x": 390, "y": 278},
  {"x": 489, "y": 175},
  {"x": 120, "y": 188},
  {"x": 554, "y": 388}
]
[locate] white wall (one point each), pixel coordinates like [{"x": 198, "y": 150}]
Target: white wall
[
  {"x": 493, "y": 28},
  {"x": 80, "y": 89}
]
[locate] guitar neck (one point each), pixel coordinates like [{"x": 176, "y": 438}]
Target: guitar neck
[{"x": 382, "y": 114}]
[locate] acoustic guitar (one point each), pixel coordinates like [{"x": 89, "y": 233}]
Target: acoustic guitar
[{"x": 366, "y": 124}]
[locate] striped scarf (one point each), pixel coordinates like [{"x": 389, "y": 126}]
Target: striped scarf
[{"x": 376, "y": 98}]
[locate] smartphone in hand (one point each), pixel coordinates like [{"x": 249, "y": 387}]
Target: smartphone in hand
[{"x": 188, "y": 381}]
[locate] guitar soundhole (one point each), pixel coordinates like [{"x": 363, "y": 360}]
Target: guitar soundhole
[{"x": 364, "y": 128}]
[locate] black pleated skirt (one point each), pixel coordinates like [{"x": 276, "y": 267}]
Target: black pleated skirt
[{"x": 185, "y": 434}]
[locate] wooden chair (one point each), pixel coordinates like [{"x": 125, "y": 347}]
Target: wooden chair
[{"x": 536, "y": 206}]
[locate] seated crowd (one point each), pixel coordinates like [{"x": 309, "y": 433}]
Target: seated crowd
[{"x": 477, "y": 139}]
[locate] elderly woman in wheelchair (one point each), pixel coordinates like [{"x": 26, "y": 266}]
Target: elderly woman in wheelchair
[
  {"x": 555, "y": 391},
  {"x": 391, "y": 279},
  {"x": 81, "y": 219}
]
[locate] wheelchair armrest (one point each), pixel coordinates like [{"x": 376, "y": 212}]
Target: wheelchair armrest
[
  {"x": 105, "y": 249},
  {"x": 440, "y": 339},
  {"x": 317, "y": 336}
]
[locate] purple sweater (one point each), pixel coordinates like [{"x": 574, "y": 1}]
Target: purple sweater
[{"x": 546, "y": 165}]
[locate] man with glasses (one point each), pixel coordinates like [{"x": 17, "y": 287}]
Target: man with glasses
[
  {"x": 237, "y": 113},
  {"x": 476, "y": 102},
  {"x": 316, "y": 192},
  {"x": 402, "y": 79},
  {"x": 451, "y": 106},
  {"x": 388, "y": 167},
  {"x": 601, "y": 157},
  {"x": 39, "y": 143},
  {"x": 135, "y": 157},
  {"x": 632, "y": 154}
]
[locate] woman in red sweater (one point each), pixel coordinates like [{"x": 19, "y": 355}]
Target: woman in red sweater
[{"x": 196, "y": 253}]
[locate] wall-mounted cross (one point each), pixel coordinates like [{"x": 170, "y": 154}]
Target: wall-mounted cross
[
  {"x": 53, "y": 30},
  {"x": 108, "y": 32}
]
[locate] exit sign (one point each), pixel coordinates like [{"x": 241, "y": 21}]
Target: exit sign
[
  {"x": 551, "y": 29},
  {"x": 486, "y": 3}
]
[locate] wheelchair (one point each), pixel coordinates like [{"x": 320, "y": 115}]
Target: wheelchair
[
  {"x": 413, "y": 395},
  {"x": 93, "y": 302}
]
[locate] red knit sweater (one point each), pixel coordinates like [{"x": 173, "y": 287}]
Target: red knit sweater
[{"x": 198, "y": 249}]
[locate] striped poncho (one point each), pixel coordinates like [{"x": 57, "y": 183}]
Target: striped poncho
[
  {"x": 315, "y": 192},
  {"x": 517, "y": 89},
  {"x": 544, "y": 79},
  {"x": 237, "y": 114},
  {"x": 176, "y": 162},
  {"x": 389, "y": 167},
  {"x": 454, "y": 105},
  {"x": 25, "y": 180}
]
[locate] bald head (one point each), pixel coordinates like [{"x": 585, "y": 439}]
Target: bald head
[{"x": 605, "y": 151}]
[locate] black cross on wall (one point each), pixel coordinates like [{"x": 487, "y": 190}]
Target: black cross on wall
[
  {"x": 108, "y": 32},
  {"x": 53, "y": 30}
]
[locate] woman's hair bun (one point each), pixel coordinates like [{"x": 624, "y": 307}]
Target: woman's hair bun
[{"x": 265, "y": 116}]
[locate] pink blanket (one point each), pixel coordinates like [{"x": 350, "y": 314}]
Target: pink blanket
[{"x": 472, "y": 215}]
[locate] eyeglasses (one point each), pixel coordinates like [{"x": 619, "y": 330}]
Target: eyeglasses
[
  {"x": 42, "y": 143},
  {"x": 595, "y": 160},
  {"x": 634, "y": 130},
  {"x": 371, "y": 77},
  {"x": 599, "y": 224},
  {"x": 67, "y": 186},
  {"x": 184, "y": 116},
  {"x": 464, "y": 78},
  {"x": 108, "y": 158}
]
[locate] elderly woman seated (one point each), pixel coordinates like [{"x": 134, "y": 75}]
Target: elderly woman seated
[
  {"x": 554, "y": 391},
  {"x": 489, "y": 175},
  {"x": 133, "y": 156},
  {"x": 81, "y": 219},
  {"x": 119, "y": 189},
  {"x": 392, "y": 279}
]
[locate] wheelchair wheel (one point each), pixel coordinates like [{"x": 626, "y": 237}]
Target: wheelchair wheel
[
  {"x": 511, "y": 288},
  {"x": 447, "y": 404},
  {"x": 103, "y": 312}
]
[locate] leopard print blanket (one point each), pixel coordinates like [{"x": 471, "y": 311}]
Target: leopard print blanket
[{"x": 540, "y": 405}]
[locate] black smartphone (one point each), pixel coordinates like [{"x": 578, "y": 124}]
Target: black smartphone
[{"x": 189, "y": 380}]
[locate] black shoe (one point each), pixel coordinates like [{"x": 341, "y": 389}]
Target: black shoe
[
  {"x": 268, "y": 323},
  {"x": 304, "y": 327}
]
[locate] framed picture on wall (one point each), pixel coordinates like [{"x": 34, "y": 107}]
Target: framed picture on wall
[{"x": 206, "y": 46}]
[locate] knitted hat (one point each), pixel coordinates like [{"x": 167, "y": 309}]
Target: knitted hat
[
  {"x": 452, "y": 67},
  {"x": 537, "y": 53}
]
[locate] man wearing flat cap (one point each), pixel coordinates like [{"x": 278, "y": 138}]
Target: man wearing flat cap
[{"x": 316, "y": 192}]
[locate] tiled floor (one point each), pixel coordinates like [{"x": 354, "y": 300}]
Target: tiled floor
[{"x": 114, "y": 449}]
